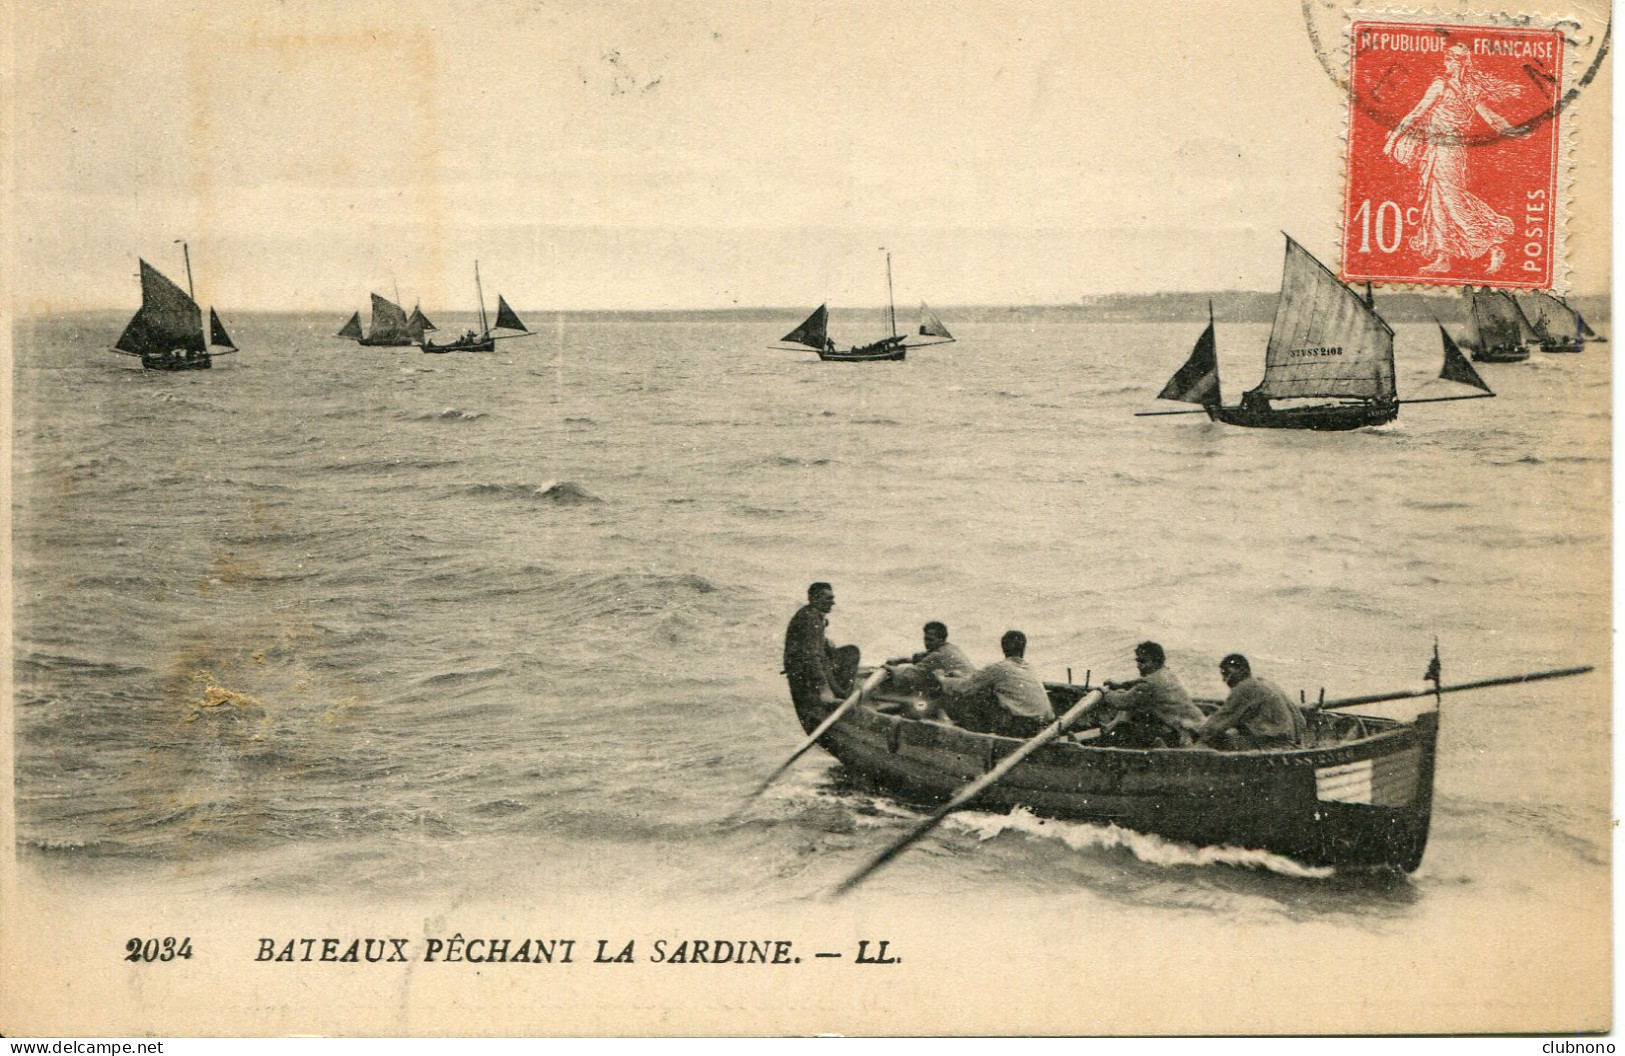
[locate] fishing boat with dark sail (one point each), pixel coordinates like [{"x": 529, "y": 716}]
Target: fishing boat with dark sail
[
  {"x": 1497, "y": 329},
  {"x": 167, "y": 332},
  {"x": 1327, "y": 342},
  {"x": 814, "y": 333},
  {"x": 1358, "y": 795},
  {"x": 391, "y": 326},
  {"x": 1557, "y": 327},
  {"x": 483, "y": 340}
]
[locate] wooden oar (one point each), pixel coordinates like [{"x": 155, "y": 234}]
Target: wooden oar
[
  {"x": 1155, "y": 414},
  {"x": 812, "y": 738},
  {"x": 1405, "y": 694},
  {"x": 972, "y": 790}
]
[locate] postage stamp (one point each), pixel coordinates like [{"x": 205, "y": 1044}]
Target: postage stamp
[{"x": 1454, "y": 155}]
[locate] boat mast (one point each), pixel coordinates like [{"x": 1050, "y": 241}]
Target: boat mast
[
  {"x": 188, "y": 254},
  {"x": 484, "y": 326},
  {"x": 891, "y": 302}
]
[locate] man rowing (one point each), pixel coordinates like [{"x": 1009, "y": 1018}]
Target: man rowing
[
  {"x": 1005, "y": 698},
  {"x": 1257, "y": 714},
  {"x": 1152, "y": 711}
]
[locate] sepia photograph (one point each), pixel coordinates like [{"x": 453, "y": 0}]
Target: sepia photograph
[{"x": 768, "y": 518}]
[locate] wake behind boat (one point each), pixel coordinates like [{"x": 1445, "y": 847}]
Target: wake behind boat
[
  {"x": 814, "y": 333},
  {"x": 167, "y": 332},
  {"x": 483, "y": 340},
  {"x": 1327, "y": 342}
]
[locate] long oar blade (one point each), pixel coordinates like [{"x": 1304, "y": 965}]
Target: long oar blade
[
  {"x": 1406, "y": 694},
  {"x": 858, "y": 694},
  {"x": 971, "y": 791}
]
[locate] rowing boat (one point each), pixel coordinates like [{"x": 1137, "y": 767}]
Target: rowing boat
[{"x": 1359, "y": 797}]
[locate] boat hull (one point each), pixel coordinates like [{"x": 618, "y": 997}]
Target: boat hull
[
  {"x": 1360, "y": 804},
  {"x": 488, "y": 345},
  {"x": 1324, "y": 418},
  {"x": 385, "y": 342},
  {"x": 1562, "y": 346},
  {"x": 200, "y": 361},
  {"x": 1500, "y": 355},
  {"x": 871, "y": 354}
]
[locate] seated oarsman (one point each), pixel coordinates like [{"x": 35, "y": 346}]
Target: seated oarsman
[
  {"x": 1005, "y": 698},
  {"x": 816, "y": 669},
  {"x": 1255, "y": 715},
  {"x": 1152, "y": 711},
  {"x": 914, "y": 675}
]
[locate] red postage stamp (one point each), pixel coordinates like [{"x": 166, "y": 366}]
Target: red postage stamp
[{"x": 1453, "y": 155}]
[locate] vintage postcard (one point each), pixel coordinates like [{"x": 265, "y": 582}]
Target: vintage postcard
[{"x": 948, "y": 518}]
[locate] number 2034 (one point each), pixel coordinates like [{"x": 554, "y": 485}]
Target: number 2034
[{"x": 165, "y": 949}]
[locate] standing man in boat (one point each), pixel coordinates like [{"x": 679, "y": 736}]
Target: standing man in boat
[
  {"x": 816, "y": 669},
  {"x": 1255, "y": 715},
  {"x": 1152, "y": 711},
  {"x": 1005, "y": 698}
]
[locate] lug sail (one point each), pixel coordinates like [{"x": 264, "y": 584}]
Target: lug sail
[
  {"x": 388, "y": 321},
  {"x": 421, "y": 321},
  {"x": 352, "y": 329},
  {"x": 931, "y": 325},
  {"x": 1456, "y": 368},
  {"x": 507, "y": 318},
  {"x": 1198, "y": 380},
  {"x": 169, "y": 319},
  {"x": 217, "y": 332},
  {"x": 1499, "y": 323},
  {"x": 1326, "y": 340},
  {"x": 1554, "y": 322},
  {"x": 813, "y": 332}
]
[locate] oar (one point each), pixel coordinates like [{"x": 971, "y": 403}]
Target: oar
[
  {"x": 1154, "y": 414},
  {"x": 972, "y": 790},
  {"x": 1405, "y": 694},
  {"x": 812, "y": 738}
]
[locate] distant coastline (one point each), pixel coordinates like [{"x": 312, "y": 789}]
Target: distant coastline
[{"x": 1229, "y": 306}]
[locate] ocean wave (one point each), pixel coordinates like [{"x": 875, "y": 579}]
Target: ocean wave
[
  {"x": 561, "y": 493},
  {"x": 450, "y": 414},
  {"x": 1152, "y": 850},
  {"x": 791, "y": 460},
  {"x": 387, "y": 465}
]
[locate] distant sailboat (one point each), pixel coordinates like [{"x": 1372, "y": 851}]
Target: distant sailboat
[
  {"x": 814, "y": 333},
  {"x": 1557, "y": 326},
  {"x": 167, "y": 333},
  {"x": 390, "y": 326},
  {"x": 484, "y": 340},
  {"x": 1498, "y": 332},
  {"x": 1328, "y": 341}
]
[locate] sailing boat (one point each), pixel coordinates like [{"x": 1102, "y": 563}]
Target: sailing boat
[
  {"x": 1498, "y": 329},
  {"x": 1556, "y": 325},
  {"x": 390, "y": 326},
  {"x": 814, "y": 333},
  {"x": 1328, "y": 341},
  {"x": 167, "y": 333},
  {"x": 484, "y": 341}
]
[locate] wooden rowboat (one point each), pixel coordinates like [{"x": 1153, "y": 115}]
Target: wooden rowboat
[{"x": 1360, "y": 797}]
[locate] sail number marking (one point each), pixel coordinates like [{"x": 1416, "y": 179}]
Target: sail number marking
[
  {"x": 1389, "y": 219},
  {"x": 1309, "y": 353}
]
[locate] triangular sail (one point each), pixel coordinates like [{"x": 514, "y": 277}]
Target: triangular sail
[
  {"x": 388, "y": 321},
  {"x": 1326, "y": 340},
  {"x": 1553, "y": 321},
  {"x": 1526, "y": 333},
  {"x": 931, "y": 325},
  {"x": 421, "y": 321},
  {"x": 1457, "y": 369},
  {"x": 507, "y": 318},
  {"x": 1585, "y": 328},
  {"x": 217, "y": 332},
  {"x": 813, "y": 332},
  {"x": 352, "y": 329},
  {"x": 1198, "y": 380},
  {"x": 168, "y": 320}
]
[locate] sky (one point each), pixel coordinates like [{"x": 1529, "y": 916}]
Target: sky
[{"x": 630, "y": 155}]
